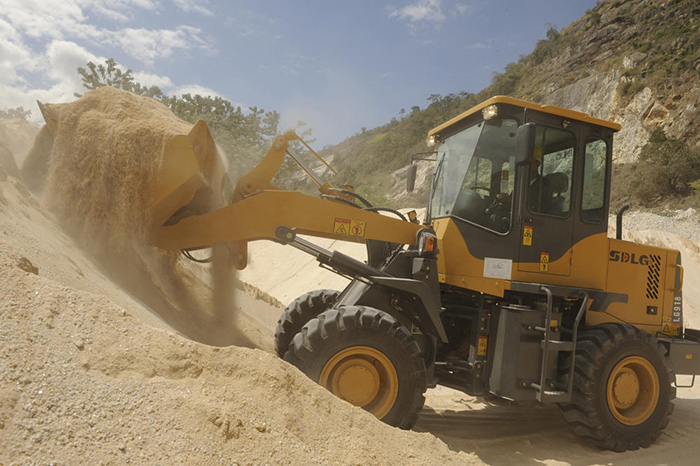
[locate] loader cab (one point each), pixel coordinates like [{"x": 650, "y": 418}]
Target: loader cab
[{"x": 521, "y": 184}]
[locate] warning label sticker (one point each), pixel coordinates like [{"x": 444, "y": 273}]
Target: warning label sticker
[
  {"x": 671, "y": 329},
  {"x": 527, "y": 236},
  {"x": 544, "y": 262},
  {"x": 357, "y": 228},
  {"x": 341, "y": 226},
  {"x": 347, "y": 227}
]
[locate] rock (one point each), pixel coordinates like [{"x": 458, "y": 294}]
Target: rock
[
  {"x": 657, "y": 115},
  {"x": 26, "y": 265},
  {"x": 630, "y": 61}
]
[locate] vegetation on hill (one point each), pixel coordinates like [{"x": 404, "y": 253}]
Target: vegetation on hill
[
  {"x": 667, "y": 169},
  {"x": 662, "y": 36}
]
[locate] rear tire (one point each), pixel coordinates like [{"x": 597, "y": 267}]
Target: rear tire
[
  {"x": 366, "y": 357},
  {"x": 298, "y": 313},
  {"x": 622, "y": 388}
]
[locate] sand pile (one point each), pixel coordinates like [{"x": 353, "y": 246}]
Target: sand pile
[{"x": 83, "y": 380}]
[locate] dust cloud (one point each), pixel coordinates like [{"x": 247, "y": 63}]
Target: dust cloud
[{"x": 103, "y": 165}]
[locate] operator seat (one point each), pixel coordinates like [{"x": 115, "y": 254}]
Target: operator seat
[{"x": 558, "y": 183}]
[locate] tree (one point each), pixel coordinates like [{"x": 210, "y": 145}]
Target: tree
[
  {"x": 552, "y": 32},
  {"x": 18, "y": 112},
  {"x": 110, "y": 74}
]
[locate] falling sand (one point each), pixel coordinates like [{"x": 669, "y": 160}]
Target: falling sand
[{"x": 103, "y": 167}]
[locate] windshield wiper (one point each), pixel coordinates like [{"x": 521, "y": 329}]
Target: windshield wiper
[
  {"x": 436, "y": 176},
  {"x": 429, "y": 212}
]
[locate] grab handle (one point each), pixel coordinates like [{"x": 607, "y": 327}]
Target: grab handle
[{"x": 680, "y": 282}]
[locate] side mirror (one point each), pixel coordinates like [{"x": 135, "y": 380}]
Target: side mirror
[
  {"x": 525, "y": 142},
  {"x": 411, "y": 177}
]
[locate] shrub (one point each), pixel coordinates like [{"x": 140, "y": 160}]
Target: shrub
[{"x": 666, "y": 168}]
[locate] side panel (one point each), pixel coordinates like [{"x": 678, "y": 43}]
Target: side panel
[
  {"x": 646, "y": 276},
  {"x": 458, "y": 267}
]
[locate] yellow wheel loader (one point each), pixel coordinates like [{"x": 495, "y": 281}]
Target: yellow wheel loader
[{"x": 510, "y": 286}]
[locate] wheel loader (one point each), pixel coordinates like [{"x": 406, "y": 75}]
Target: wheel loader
[{"x": 510, "y": 286}]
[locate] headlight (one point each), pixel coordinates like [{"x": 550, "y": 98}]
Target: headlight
[
  {"x": 430, "y": 141},
  {"x": 427, "y": 243},
  {"x": 489, "y": 112}
]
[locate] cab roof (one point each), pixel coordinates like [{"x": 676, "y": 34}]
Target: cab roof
[{"x": 551, "y": 109}]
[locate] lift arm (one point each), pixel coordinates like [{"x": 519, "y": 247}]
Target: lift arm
[{"x": 259, "y": 208}]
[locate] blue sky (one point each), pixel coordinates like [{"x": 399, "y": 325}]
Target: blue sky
[{"x": 337, "y": 65}]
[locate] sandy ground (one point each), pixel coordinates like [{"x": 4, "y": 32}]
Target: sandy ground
[{"x": 537, "y": 434}]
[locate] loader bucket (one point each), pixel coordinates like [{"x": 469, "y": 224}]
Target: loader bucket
[{"x": 192, "y": 177}]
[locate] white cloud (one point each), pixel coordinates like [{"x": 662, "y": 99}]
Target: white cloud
[
  {"x": 57, "y": 66},
  {"x": 196, "y": 89},
  {"x": 68, "y": 20},
  {"x": 421, "y": 10},
  {"x": 194, "y": 6},
  {"x": 118, "y": 10},
  {"x": 147, "y": 45},
  {"x": 478, "y": 46},
  {"x": 43, "y": 42},
  {"x": 462, "y": 9},
  {"x": 64, "y": 58},
  {"x": 15, "y": 56},
  {"x": 151, "y": 79},
  {"x": 43, "y": 19}
]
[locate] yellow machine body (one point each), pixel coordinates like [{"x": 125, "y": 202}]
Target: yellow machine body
[{"x": 647, "y": 275}]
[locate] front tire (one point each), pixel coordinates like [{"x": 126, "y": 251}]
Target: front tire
[
  {"x": 366, "y": 357},
  {"x": 298, "y": 313},
  {"x": 622, "y": 388}
]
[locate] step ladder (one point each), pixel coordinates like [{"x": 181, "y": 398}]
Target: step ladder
[{"x": 551, "y": 348}]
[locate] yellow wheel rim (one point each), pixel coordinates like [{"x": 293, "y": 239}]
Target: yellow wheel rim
[
  {"x": 362, "y": 376},
  {"x": 633, "y": 390}
]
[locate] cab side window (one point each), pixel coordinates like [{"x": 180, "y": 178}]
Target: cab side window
[
  {"x": 594, "y": 170},
  {"x": 550, "y": 172}
]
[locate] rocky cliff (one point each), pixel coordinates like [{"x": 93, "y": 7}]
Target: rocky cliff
[{"x": 640, "y": 66}]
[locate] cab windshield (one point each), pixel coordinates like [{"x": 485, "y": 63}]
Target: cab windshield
[{"x": 475, "y": 174}]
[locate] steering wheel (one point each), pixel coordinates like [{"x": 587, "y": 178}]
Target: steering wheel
[{"x": 499, "y": 214}]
